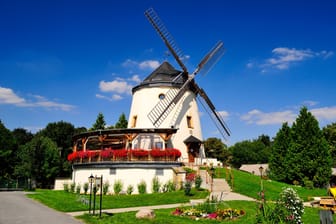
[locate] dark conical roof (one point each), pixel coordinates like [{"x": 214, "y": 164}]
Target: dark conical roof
[
  {"x": 165, "y": 72},
  {"x": 164, "y": 75}
]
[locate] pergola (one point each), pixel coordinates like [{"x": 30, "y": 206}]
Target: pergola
[{"x": 116, "y": 138}]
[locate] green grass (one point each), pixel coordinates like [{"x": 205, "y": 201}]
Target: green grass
[
  {"x": 164, "y": 216},
  {"x": 68, "y": 202},
  {"x": 249, "y": 185}
]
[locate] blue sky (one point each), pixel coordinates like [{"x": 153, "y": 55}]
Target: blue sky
[{"x": 70, "y": 60}]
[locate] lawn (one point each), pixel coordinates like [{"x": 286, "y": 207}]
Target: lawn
[
  {"x": 243, "y": 183},
  {"x": 69, "y": 202},
  {"x": 164, "y": 216},
  {"x": 249, "y": 185}
]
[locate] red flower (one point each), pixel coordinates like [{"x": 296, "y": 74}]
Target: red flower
[
  {"x": 73, "y": 156},
  {"x": 173, "y": 152},
  {"x": 139, "y": 152},
  {"x": 212, "y": 215},
  {"x": 119, "y": 152},
  {"x": 157, "y": 153},
  {"x": 106, "y": 153},
  {"x": 191, "y": 177}
]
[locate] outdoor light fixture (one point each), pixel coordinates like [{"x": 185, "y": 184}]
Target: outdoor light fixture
[
  {"x": 91, "y": 180},
  {"x": 261, "y": 169}
]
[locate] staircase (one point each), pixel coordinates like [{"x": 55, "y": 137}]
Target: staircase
[{"x": 219, "y": 186}]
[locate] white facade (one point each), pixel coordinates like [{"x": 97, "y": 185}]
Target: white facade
[{"x": 184, "y": 117}]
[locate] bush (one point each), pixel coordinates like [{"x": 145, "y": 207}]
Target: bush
[
  {"x": 187, "y": 188},
  {"x": 198, "y": 182},
  {"x": 288, "y": 209},
  {"x": 117, "y": 186},
  {"x": 142, "y": 187},
  {"x": 169, "y": 187},
  {"x": 86, "y": 187},
  {"x": 156, "y": 185},
  {"x": 106, "y": 187},
  {"x": 308, "y": 183},
  {"x": 66, "y": 187},
  {"x": 72, "y": 187},
  {"x": 130, "y": 189},
  {"x": 78, "y": 189}
]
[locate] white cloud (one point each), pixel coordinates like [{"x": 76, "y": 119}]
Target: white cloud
[
  {"x": 119, "y": 85},
  {"x": 284, "y": 57},
  {"x": 135, "y": 78},
  {"x": 142, "y": 65},
  {"x": 7, "y": 96},
  {"x": 261, "y": 118},
  {"x": 224, "y": 114},
  {"x": 324, "y": 113},
  {"x": 149, "y": 64}
]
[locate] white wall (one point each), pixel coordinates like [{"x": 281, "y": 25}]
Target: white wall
[{"x": 128, "y": 176}]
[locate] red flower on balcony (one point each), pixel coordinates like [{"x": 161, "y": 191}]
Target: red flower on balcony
[
  {"x": 73, "y": 156},
  {"x": 139, "y": 152},
  {"x": 119, "y": 153},
  {"x": 173, "y": 152},
  {"x": 106, "y": 154},
  {"x": 158, "y": 153}
]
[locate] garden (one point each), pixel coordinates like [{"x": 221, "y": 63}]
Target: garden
[{"x": 272, "y": 201}]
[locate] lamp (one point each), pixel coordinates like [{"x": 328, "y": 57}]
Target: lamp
[
  {"x": 91, "y": 180},
  {"x": 261, "y": 169}
]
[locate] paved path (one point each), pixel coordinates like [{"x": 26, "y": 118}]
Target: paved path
[{"x": 16, "y": 208}]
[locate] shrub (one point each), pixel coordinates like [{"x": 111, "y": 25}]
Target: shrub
[
  {"x": 198, "y": 182},
  {"x": 142, "y": 187},
  {"x": 78, "y": 189},
  {"x": 169, "y": 186},
  {"x": 72, "y": 187},
  {"x": 156, "y": 185},
  {"x": 66, "y": 187},
  {"x": 130, "y": 189},
  {"x": 117, "y": 186},
  {"x": 86, "y": 187},
  {"x": 288, "y": 209},
  {"x": 106, "y": 187},
  {"x": 187, "y": 188}
]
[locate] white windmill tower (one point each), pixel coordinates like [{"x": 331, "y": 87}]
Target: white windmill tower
[{"x": 167, "y": 99}]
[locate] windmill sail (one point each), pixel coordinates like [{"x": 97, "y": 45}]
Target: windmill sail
[
  {"x": 168, "y": 39},
  {"x": 161, "y": 111},
  {"x": 214, "y": 114}
]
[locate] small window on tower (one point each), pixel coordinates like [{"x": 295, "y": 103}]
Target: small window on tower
[
  {"x": 189, "y": 122},
  {"x": 134, "y": 120},
  {"x": 161, "y": 96}
]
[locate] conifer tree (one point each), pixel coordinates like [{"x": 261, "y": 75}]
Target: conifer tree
[
  {"x": 100, "y": 123},
  {"x": 308, "y": 156},
  {"x": 122, "y": 122},
  {"x": 277, "y": 163}
]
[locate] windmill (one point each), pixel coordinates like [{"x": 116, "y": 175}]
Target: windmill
[
  {"x": 173, "y": 97},
  {"x": 168, "y": 100}
]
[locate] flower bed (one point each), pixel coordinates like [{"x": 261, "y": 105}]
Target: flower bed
[{"x": 218, "y": 214}]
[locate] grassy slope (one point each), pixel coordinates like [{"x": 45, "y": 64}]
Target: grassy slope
[{"x": 249, "y": 184}]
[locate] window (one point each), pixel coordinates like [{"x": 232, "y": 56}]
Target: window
[
  {"x": 134, "y": 120},
  {"x": 189, "y": 122},
  {"x": 161, "y": 96},
  {"x": 113, "y": 171},
  {"x": 159, "y": 172}
]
